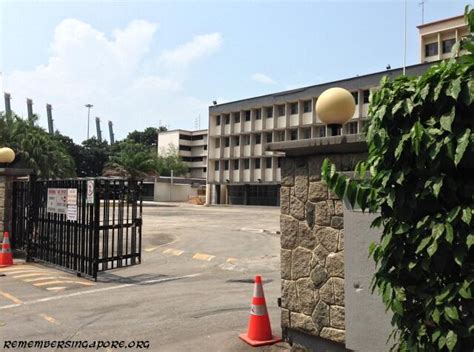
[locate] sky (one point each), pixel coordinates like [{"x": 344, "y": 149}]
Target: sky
[{"x": 151, "y": 63}]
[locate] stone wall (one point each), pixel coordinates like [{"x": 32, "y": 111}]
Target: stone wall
[{"x": 312, "y": 248}]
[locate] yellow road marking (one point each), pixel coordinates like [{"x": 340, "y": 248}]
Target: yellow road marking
[
  {"x": 30, "y": 274},
  {"x": 56, "y": 288},
  {"x": 48, "y": 318},
  {"x": 64, "y": 282},
  {"x": 231, "y": 260},
  {"x": 204, "y": 256},
  {"x": 46, "y": 278},
  {"x": 16, "y": 267},
  {"x": 31, "y": 270},
  {"x": 151, "y": 249},
  {"x": 172, "y": 251},
  {"x": 11, "y": 298}
]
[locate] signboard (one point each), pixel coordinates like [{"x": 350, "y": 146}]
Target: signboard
[
  {"x": 57, "y": 200},
  {"x": 63, "y": 201},
  {"x": 90, "y": 192}
]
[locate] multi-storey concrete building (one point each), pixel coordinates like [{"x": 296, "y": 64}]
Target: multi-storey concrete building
[
  {"x": 438, "y": 38},
  {"x": 191, "y": 147},
  {"x": 240, "y": 171}
]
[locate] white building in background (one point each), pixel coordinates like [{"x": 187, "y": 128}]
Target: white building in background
[
  {"x": 438, "y": 38},
  {"x": 191, "y": 147}
]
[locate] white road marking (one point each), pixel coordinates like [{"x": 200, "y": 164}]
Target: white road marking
[
  {"x": 31, "y": 274},
  {"x": 151, "y": 249},
  {"x": 85, "y": 283},
  {"x": 172, "y": 251},
  {"x": 82, "y": 293},
  {"x": 47, "y": 278},
  {"x": 55, "y": 288}
]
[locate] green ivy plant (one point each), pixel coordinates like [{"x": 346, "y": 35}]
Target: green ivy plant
[{"x": 419, "y": 176}]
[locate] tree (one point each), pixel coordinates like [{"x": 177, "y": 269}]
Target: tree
[
  {"x": 170, "y": 160},
  {"x": 419, "y": 175},
  {"x": 148, "y": 137},
  {"x": 92, "y": 158},
  {"x": 35, "y": 148},
  {"x": 133, "y": 160}
]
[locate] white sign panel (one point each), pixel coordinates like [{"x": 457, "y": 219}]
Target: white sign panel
[
  {"x": 57, "y": 201},
  {"x": 72, "y": 196},
  {"x": 71, "y": 212},
  {"x": 90, "y": 192}
]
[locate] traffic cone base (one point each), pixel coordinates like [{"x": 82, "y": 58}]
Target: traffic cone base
[
  {"x": 259, "y": 332},
  {"x": 6, "y": 258},
  {"x": 256, "y": 343}
]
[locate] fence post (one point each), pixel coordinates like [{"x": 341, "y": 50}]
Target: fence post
[
  {"x": 32, "y": 216},
  {"x": 96, "y": 227}
]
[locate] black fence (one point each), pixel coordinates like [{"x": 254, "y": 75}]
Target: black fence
[{"x": 82, "y": 225}]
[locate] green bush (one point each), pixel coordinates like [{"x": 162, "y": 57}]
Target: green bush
[{"x": 419, "y": 175}]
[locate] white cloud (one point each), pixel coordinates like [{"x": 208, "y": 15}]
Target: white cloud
[
  {"x": 87, "y": 66},
  {"x": 262, "y": 78},
  {"x": 201, "y": 45}
]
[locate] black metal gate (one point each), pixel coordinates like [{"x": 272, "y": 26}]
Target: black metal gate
[{"x": 82, "y": 225}]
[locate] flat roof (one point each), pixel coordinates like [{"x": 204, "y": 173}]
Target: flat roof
[
  {"x": 354, "y": 78},
  {"x": 187, "y": 131},
  {"x": 439, "y": 21}
]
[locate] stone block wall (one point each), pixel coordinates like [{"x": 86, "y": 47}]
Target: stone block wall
[{"x": 312, "y": 248}]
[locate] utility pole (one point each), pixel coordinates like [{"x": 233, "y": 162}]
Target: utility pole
[
  {"x": 88, "y": 106},
  {"x": 422, "y": 4},
  {"x": 111, "y": 133},
  {"x": 49, "y": 113},
  {"x": 97, "y": 126},
  {"x": 8, "y": 107},
  {"x": 29, "y": 107}
]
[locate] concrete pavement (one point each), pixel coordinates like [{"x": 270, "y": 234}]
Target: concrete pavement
[{"x": 192, "y": 291}]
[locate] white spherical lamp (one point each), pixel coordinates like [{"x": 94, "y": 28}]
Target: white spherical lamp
[
  {"x": 7, "y": 155},
  {"x": 335, "y": 107}
]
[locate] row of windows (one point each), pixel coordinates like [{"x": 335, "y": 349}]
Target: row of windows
[
  {"x": 191, "y": 138},
  {"x": 280, "y": 109},
  {"x": 245, "y": 163},
  {"x": 192, "y": 158},
  {"x": 431, "y": 49},
  {"x": 188, "y": 148}
]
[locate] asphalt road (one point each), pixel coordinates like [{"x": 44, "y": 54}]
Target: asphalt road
[{"x": 191, "y": 293}]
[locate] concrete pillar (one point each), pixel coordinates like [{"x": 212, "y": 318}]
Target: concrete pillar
[{"x": 208, "y": 194}]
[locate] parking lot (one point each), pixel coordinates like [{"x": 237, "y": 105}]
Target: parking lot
[{"x": 191, "y": 292}]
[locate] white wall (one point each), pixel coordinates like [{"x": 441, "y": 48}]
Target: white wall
[{"x": 179, "y": 193}]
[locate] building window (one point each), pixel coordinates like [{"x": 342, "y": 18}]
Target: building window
[
  {"x": 269, "y": 137},
  {"x": 204, "y": 169},
  {"x": 227, "y": 119},
  {"x": 226, "y": 164},
  {"x": 258, "y": 114},
  {"x": 281, "y": 110},
  {"x": 185, "y": 147},
  {"x": 448, "y": 45},
  {"x": 216, "y": 165},
  {"x": 247, "y": 115},
  {"x": 258, "y": 138},
  {"x": 217, "y": 143},
  {"x": 366, "y": 96},
  {"x": 218, "y": 120},
  {"x": 307, "y": 106},
  {"x": 356, "y": 97},
  {"x": 246, "y": 164},
  {"x": 236, "y": 164},
  {"x": 205, "y": 147},
  {"x": 351, "y": 128},
  {"x": 305, "y": 133},
  {"x": 226, "y": 142},
  {"x": 198, "y": 137},
  {"x": 185, "y": 137},
  {"x": 246, "y": 139},
  {"x": 293, "y": 108},
  {"x": 257, "y": 163},
  {"x": 431, "y": 49},
  {"x": 321, "y": 131},
  {"x": 268, "y": 163},
  {"x": 269, "y": 112},
  {"x": 279, "y": 162},
  {"x": 236, "y": 141},
  {"x": 236, "y": 117},
  {"x": 293, "y": 135},
  {"x": 279, "y": 136}
]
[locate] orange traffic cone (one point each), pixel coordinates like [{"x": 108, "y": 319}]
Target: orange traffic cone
[
  {"x": 259, "y": 331},
  {"x": 6, "y": 258}
]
